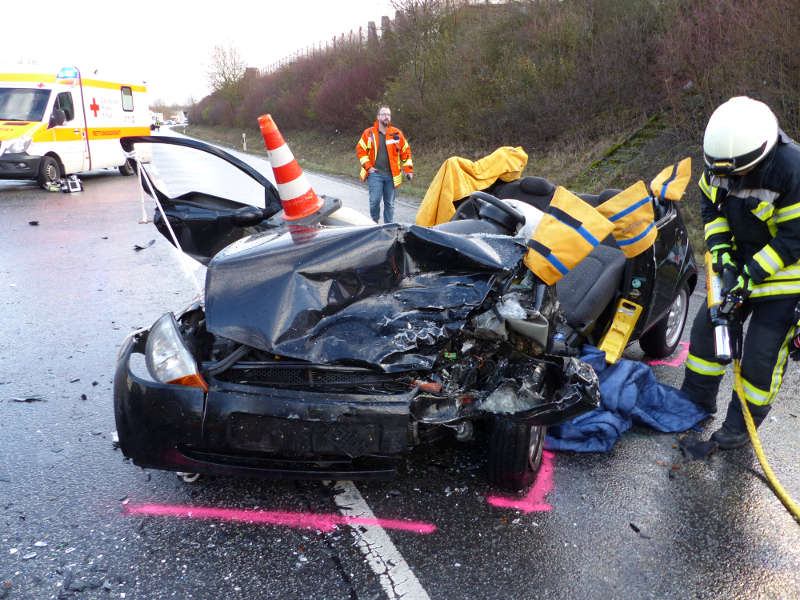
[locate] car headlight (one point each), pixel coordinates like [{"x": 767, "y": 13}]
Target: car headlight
[
  {"x": 16, "y": 146},
  {"x": 167, "y": 357}
]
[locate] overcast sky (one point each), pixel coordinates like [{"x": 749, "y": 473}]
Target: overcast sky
[{"x": 168, "y": 44}]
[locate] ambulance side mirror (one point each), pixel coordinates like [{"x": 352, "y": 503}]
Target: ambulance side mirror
[{"x": 59, "y": 117}]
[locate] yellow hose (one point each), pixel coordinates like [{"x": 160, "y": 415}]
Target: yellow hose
[{"x": 751, "y": 429}]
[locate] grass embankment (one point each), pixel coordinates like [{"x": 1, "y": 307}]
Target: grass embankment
[{"x": 588, "y": 167}]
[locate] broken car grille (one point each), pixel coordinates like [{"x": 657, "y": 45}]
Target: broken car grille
[{"x": 294, "y": 375}]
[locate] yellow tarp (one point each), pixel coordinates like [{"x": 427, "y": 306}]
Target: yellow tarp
[{"x": 459, "y": 177}]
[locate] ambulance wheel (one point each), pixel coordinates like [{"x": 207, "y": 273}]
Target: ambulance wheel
[
  {"x": 661, "y": 340},
  {"x": 49, "y": 171},
  {"x": 129, "y": 168},
  {"x": 515, "y": 453}
]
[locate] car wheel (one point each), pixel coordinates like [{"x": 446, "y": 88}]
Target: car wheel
[
  {"x": 662, "y": 338},
  {"x": 515, "y": 453},
  {"x": 129, "y": 168},
  {"x": 49, "y": 171}
]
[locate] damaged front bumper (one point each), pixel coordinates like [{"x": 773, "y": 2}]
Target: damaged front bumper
[
  {"x": 246, "y": 430},
  {"x": 271, "y": 432}
]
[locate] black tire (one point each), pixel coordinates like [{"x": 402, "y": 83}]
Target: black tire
[
  {"x": 49, "y": 171},
  {"x": 129, "y": 168},
  {"x": 661, "y": 340},
  {"x": 515, "y": 453}
]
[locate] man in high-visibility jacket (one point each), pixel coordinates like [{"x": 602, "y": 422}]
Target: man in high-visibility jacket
[
  {"x": 385, "y": 156},
  {"x": 751, "y": 216}
]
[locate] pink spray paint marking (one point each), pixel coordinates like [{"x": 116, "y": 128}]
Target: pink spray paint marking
[
  {"x": 534, "y": 501},
  {"x": 320, "y": 522},
  {"x": 675, "y": 362}
]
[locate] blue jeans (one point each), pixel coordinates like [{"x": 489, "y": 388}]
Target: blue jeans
[{"x": 381, "y": 185}]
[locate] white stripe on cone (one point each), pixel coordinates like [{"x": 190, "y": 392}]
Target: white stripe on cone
[
  {"x": 293, "y": 189},
  {"x": 280, "y": 156}
]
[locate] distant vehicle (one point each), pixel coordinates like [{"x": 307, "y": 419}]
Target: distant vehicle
[
  {"x": 56, "y": 124},
  {"x": 170, "y": 121}
]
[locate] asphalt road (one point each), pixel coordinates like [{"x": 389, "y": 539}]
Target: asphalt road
[{"x": 638, "y": 522}]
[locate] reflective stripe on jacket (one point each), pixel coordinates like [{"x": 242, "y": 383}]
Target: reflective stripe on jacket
[
  {"x": 757, "y": 216},
  {"x": 397, "y": 147}
]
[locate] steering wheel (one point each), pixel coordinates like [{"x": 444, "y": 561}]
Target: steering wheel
[{"x": 478, "y": 198}]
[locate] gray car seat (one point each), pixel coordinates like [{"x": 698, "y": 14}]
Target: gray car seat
[{"x": 584, "y": 293}]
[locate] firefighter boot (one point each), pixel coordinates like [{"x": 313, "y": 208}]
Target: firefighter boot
[
  {"x": 702, "y": 390},
  {"x": 733, "y": 433}
]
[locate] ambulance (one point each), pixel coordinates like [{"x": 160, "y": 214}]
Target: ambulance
[{"x": 54, "y": 124}]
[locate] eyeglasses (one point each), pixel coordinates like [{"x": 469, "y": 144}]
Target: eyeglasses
[{"x": 384, "y": 114}]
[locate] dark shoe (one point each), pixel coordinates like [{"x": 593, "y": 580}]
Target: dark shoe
[{"x": 729, "y": 439}]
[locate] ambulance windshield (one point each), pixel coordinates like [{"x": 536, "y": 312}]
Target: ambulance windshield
[{"x": 22, "y": 104}]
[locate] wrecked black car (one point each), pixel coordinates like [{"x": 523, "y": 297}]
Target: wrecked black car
[{"x": 329, "y": 346}]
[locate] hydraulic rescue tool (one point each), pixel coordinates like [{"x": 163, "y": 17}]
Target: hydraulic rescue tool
[{"x": 722, "y": 308}]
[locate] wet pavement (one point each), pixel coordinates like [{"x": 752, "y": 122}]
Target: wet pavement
[{"x": 641, "y": 521}]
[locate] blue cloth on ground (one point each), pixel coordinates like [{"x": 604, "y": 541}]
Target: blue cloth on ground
[{"x": 629, "y": 393}]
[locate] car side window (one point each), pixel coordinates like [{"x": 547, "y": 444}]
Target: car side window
[
  {"x": 127, "y": 99},
  {"x": 64, "y": 102}
]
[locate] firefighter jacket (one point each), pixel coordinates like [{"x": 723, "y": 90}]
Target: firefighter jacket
[
  {"x": 397, "y": 147},
  {"x": 757, "y": 217}
]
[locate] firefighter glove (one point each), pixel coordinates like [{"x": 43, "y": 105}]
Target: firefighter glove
[
  {"x": 723, "y": 260},
  {"x": 740, "y": 285}
]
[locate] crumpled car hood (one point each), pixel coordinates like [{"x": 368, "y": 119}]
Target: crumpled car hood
[{"x": 388, "y": 296}]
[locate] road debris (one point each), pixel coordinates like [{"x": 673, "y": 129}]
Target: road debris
[
  {"x": 139, "y": 248},
  {"x": 639, "y": 531}
]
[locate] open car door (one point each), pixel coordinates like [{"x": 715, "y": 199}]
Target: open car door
[{"x": 205, "y": 223}]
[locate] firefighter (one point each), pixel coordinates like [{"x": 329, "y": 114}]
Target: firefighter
[
  {"x": 384, "y": 155},
  {"x": 751, "y": 216}
]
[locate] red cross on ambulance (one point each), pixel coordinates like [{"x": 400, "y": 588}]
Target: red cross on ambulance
[{"x": 94, "y": 107}]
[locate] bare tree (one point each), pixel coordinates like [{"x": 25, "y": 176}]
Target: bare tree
[{"x": 225, "y": 73}]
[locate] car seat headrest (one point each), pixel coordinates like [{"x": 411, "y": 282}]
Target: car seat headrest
[
  {"x": 607, "y": 195},
  {"x": 537, "y": 186}
]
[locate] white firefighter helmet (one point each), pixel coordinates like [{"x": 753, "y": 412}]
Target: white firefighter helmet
[{"x": 739, "y": 134}]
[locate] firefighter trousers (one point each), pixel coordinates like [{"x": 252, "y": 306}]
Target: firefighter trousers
[{"x": 764, "y": 354}]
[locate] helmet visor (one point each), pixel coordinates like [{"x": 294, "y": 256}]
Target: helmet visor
[{"x": 724, "y": 167}]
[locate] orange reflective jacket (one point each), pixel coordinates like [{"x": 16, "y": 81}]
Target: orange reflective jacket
[{"x": 397, "y": 147}]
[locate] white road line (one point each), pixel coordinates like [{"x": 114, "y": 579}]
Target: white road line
[{"x": 394, "y": 574}]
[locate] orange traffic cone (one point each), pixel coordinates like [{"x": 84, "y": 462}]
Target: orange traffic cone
[{"x": 297, "y": 196}]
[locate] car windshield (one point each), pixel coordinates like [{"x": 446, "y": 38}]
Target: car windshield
[{"x": 23, "y": 104}]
